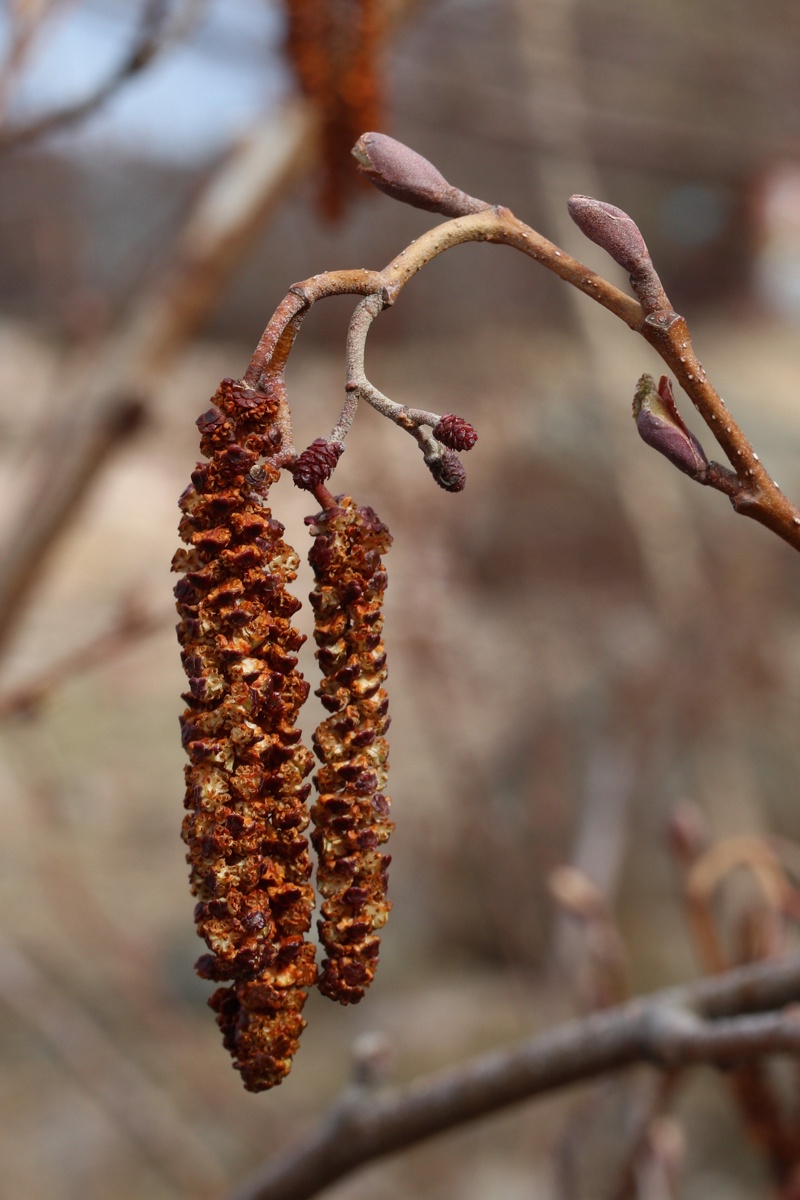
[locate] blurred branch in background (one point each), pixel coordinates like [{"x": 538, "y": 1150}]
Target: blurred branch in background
[
  {"x": 722, "y": 1021},
  {"x": 148, "y": 40},
  {"x": 133, "y": 623},
  {"x": 142, "y": 1111}
]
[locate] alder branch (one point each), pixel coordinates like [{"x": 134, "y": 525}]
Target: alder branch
[
  {"x": 405, "y": 175},
  {"x": 146, "y": 43},
  {"x": 720, "y": 1021}
]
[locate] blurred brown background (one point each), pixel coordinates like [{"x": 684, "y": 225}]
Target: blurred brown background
[{"x": 579, "y": 643}]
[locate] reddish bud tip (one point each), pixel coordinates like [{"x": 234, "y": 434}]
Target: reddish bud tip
[
  {"x": 612, "y": 229},
  {"x": 455, "y": 432},
  {"x": 448, "y": 470},
  {"x": 660, "y": 425},
  {"x": 316, "y": 463}
]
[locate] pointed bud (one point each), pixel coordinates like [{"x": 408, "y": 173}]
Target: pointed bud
[
  {"x": 405, "y": 175},
  {"x": 660, "y": 425},
  {"x": 612, "y": 229}
]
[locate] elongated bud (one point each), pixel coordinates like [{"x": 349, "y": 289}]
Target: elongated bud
[
  {"x": 404, "y": 175},
  {"x": 660, "y": 425},
  {"x": 244, "y": 783},
  {"x": 612, "y": 229},
  {"x": 618, "y": 234},
  {"x": 351, "y": 816}
]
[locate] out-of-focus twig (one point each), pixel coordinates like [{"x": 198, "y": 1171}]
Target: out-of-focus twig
[
  {"x": 602, "y": 967},
  {"x": 725, "y": 1019},
  {"x": 225, "y": 219},
  {"x": 133, "y": 623},
  {"x": 707, "y": 874},
  {"x": 762, "y": 1106},
  {"x": 26, "y": 19},
  {"x": 58, "y": 491},
  {"x": 147, "y": 41},
  {"x": 140, "y": 1109}
]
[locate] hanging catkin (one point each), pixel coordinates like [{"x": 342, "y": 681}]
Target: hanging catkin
[
  {"x": 334, "y": 48},
  {"x": 351, "y": 815},
  {"x": 244, "y": 783}
]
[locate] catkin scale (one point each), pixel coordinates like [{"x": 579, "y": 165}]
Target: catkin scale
[
  {"x": 350, "y": 819},
  {"x": 245, "y": 782}
]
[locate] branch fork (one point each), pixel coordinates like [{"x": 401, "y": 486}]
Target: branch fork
[{"x": 407, "y": 176}]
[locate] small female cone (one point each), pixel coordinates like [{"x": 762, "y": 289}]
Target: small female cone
[{"x": 660, "y": 425}]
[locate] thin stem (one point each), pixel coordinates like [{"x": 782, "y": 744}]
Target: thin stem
[{"x": 147, "y": 42}]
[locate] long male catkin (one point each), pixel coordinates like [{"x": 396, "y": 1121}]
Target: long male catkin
[
  {"x": 351, "y": 816},
  {"x": 245, "y": 788}
]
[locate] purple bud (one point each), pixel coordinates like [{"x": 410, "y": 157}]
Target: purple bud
[
  {"x": 405, "y": 175},
  {"x": 612, "y": 229},
  {"x": 660, "y": 425}
]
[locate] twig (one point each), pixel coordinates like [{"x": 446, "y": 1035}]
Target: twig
[
  {"x": 77, "y": 460},
  {"x": 141, "y": 1110},
  {"x": 146, "y": 44},
  {"x": 722, "y": 1020},
  {"x": 132, "y": 624},
  {"x": 407, "y": 176}
]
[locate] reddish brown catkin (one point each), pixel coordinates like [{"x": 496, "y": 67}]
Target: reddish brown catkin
[
  {"x": 245, "y": 793},
  {"x": 351, "y": 816}
]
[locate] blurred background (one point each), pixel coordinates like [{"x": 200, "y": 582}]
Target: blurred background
[{"x": 594, "y": 666}]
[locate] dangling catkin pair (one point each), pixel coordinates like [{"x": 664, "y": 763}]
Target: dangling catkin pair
[{"x": 245, "y": 782}]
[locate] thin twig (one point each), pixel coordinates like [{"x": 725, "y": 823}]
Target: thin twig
[
  {"x": 722, "y": 1020},
  {"x": 141, "y": 1110},
  {"x": 146, "y": 43},
  {"x": 59, "y": 490},
  {"x": 132, "y": 624}
]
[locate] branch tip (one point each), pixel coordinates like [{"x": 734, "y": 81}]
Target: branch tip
[
  {"x": 610, "y": 228},
  {"x": 405, "y": 175}
]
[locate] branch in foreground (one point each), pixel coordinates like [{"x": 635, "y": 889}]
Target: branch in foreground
[{"x": 724, "y": 1020}]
